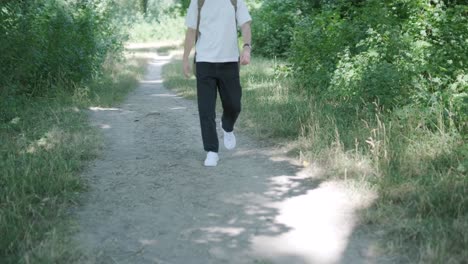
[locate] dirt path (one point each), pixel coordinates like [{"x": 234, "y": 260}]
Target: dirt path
[{"x": 152, "y": 201}]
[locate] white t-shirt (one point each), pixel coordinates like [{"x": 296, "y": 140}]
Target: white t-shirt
[{"x": 218, "y": 30}]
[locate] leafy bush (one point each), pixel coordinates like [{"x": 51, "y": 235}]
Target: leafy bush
[
  {"x": 153, "y": 8},
  {"x": 317, "y": 44},
  {"x": 441, "y": 52},
  {"x": 162, "y": 20},
  {"x": 45, "y": 43},
  {"x": 168, "y": 27},
  {"x": 355, "y": 53},
  {"x": 383, "y": 82},
  {"x": 273, "y": 26},
  {"x": 394, "y": 53}
]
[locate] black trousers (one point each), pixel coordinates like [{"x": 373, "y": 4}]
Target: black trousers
[{"x": 211, "y": 79}]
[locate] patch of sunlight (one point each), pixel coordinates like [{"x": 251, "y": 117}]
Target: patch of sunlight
[
  {"x": 165, "y": 95},
  {"x": 148, "y": 242},
  {"x": 256, "y": 85},
  {"x": 105, "y": 126},
  {"x": 179, "y": 108},
  {"x": 177, "y": 54},
  {"x": 320, "y": 222},
  {"x": 151, "y": 45},
  {"x": 151, "y": 82},
  {"x": 258, "y": 68},
  {"x": 282, "y": 185},
  {"x": 208, "y": 235},
  {"x": 264, "y": 99},
  {"x": 216, "y": 234},
  {"x": 255, "y": 210},
  {"x": 349, "y": 165},
  {"x": 430, "y": 145},
  {"x": 340, "y": 164},
  {"x": 279, "y": 98},
  {"x": 275, "y": 154},
  {"x": 150, "y": 53},
  {"x": 47, "y": 142},
  {"x": 229, "y": 231},
  {"x": 142, "y": 55},
  {"x": 15, "y": 121},
  {"x": 96, "y": 108},
  {"x": 161, "y": 60}
]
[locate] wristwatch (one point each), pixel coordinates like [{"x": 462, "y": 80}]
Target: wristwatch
[{"x": 247, "y": 45}]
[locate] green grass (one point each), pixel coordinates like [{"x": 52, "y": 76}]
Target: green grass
[
  {"x": 45, "y": 143},
  {"x": 418, "y": 164},
  {"x": 173, "y": 79}
]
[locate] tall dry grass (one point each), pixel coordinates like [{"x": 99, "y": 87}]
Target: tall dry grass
[
  {"x": 45, "y": 143},
  {"x": 418, "y": 164}
]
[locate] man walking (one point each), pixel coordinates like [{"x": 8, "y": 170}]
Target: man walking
[{"x": 212, "y": 24}]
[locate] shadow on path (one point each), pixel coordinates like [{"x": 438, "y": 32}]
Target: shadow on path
[{"x": 152, "y": 201}]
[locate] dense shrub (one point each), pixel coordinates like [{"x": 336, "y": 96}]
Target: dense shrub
[
  {"x": 162, "y": 20},
  {"x": 44, "y": 43},
  {"x": 352, "y": 54},
  {"x": 382, "y": 81},
  {"x": 275, "y": 21},
  {"x": 316, "y": 49},
  {"x": 273, "y": 27},
  {"x": 149, "y": 8},
  {"x": 355, "y": 53},
  {"x": 441, "y": 64},
  {"x": 167, "y": 27}
]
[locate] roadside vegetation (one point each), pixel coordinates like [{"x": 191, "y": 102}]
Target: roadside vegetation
[
  {"x": 374, "y": 91},
  {"x": 57, "y": 59},
  {"x": 371, "y": 90}
]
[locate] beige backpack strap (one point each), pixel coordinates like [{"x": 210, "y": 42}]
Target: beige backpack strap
[{"x": 200, "y": 5}]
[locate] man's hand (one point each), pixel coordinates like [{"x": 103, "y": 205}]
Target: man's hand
[
  {"x": 247, "y": 38},
  {"x": 187, "y": 68},
  {"x": 189, "y": 41},
  {"x": 245, "y": 57}
]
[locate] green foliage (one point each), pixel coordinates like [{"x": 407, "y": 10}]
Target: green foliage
[
  {"x": 380, "y": 93},
  {"x": 351, "y": 54},
  {"x": 419, "y": 171},
  {"x": 161, "y": 21},
  {"x": 45, "y": 43},
  {"x": 184, "y": 5},
  {"x": 46, "y": 141},
  {"x": 149, "y": 8},
  {"x": 354, "y": 55},
  {"x": 168, "y": 27},
  {"x": 56, "y": 56},
  {"x": 441, "y": 52},
  {"x": 315, "y": 61},
  {"x": 42, "y": 148},
  {"x": 273, "y": 27}
]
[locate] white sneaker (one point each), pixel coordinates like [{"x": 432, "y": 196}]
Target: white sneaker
[
  {"x": 229, "y": 139},
  {"x": 211, "y": 159}
]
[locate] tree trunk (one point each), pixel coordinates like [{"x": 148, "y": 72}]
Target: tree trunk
[{"x": 144, "y": 6}]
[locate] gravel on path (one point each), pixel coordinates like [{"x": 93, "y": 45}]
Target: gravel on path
[{"x": 152, "y": 201}]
